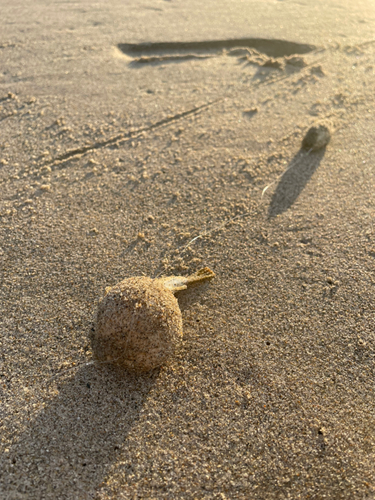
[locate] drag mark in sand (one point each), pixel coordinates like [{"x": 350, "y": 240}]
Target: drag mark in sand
[{"x": 127, "y": 136}]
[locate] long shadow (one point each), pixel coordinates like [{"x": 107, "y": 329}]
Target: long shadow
[
  {"x": 294, "y": 180},
  {"x": 66, "y": 452},
  {"x": 273, "y": 48}
]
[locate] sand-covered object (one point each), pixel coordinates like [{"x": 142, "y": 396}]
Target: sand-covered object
[{"x": 139, "y": 322}]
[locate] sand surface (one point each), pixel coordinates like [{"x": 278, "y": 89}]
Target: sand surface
[{"x": 127, "y": 130}]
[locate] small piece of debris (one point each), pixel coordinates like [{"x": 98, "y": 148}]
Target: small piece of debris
[
  {"x": 250, "y": 112},
  {"x": 316, "y": 138}
]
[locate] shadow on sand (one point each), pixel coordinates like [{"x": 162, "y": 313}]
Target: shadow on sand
[
  {"x": 294, "y": 180},
  {"x": 68, "y": 448},
  {"x": 67, "y": 451}
]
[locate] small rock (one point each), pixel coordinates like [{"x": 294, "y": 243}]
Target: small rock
[{"x": 316, "y": 138}]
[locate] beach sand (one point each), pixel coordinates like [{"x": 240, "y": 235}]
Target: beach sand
[{"x": 129, "y": 149}]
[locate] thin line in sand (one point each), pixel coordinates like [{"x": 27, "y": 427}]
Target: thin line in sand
[{"x": 127, "y": 136}]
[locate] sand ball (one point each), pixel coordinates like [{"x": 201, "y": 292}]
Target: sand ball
[
  {"x": 139, "y": 322},
  {"x": 138, "y": 325}
]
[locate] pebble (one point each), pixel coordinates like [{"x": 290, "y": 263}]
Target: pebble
[{"x": 316, "y": 138}]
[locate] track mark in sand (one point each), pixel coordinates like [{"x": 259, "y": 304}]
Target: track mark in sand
[
  {"x": 178, "y": 51},
  {"x": 127, "y": 136}
]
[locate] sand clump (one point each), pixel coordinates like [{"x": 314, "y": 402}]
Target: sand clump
[{"x": 139, "y": 322}]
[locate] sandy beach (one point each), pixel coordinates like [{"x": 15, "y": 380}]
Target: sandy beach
[{"x": 137, "y": 139}]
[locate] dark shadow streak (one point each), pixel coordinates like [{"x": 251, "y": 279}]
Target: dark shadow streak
[
  {"x": 67, "y": 450},
  {"x": 273, "y": 48},
  {"x": 294, "y": 180}
]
